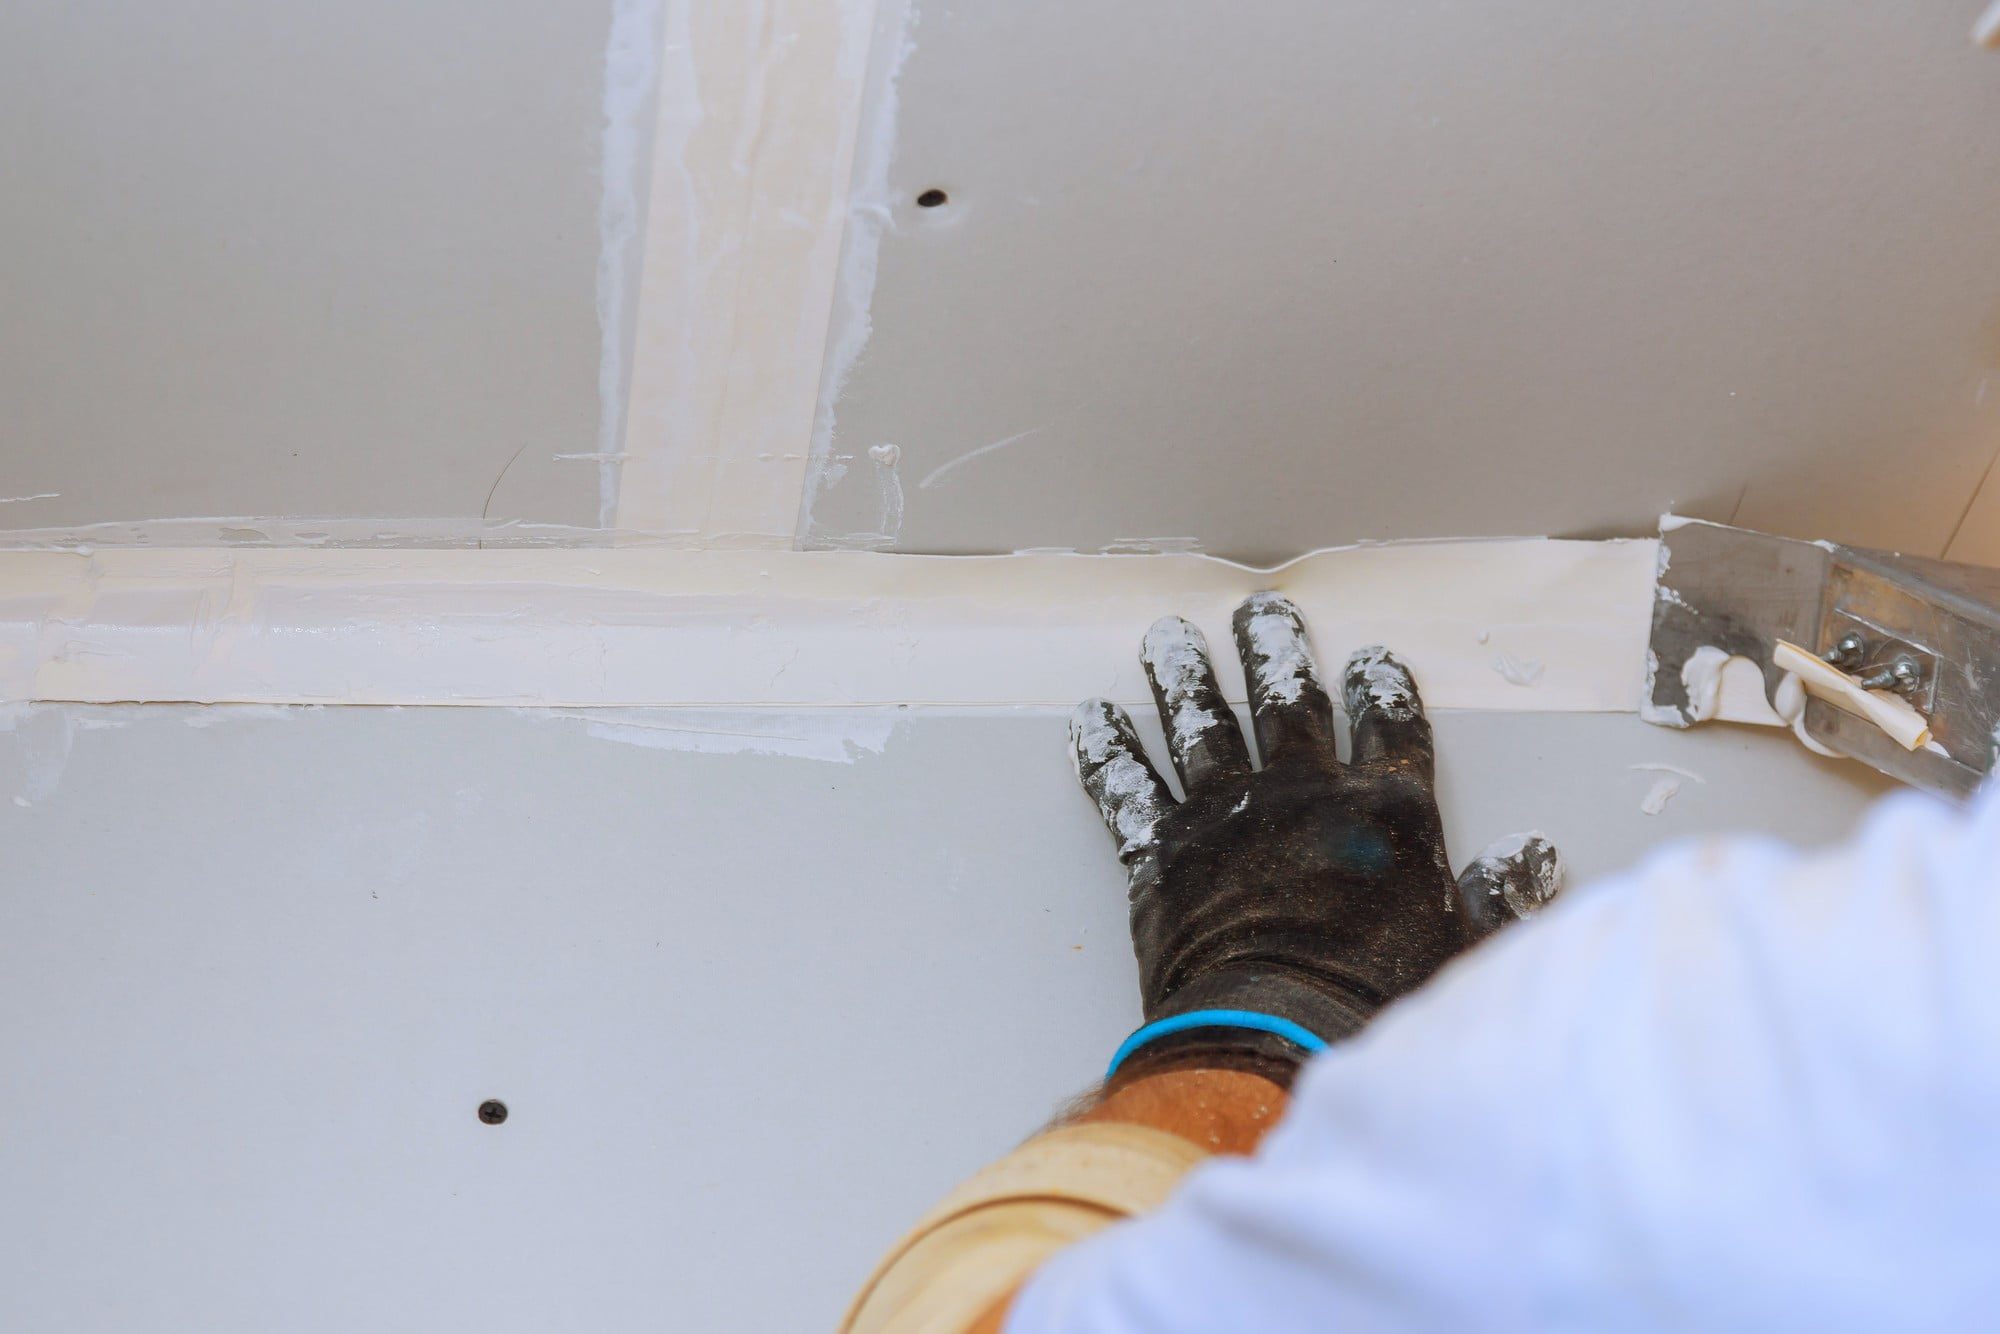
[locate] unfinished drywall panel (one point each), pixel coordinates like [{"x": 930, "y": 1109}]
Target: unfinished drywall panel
[
  {"x": 300, "y": 260},
  {"x": 754, "y": 989},
  {"x": 1269, "y": 277}
]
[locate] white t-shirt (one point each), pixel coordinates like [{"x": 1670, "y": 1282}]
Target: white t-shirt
[{"x": 1736, "y": 1088}]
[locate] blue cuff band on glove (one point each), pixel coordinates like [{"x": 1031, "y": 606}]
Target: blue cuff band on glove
[{"x": 1180, "y": 1023}]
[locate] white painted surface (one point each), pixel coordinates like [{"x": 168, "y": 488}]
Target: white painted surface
[
  {"x": 1285, "y": 275},
  {"x": 750, "y": 1013},
  {"x": 299, "y": 259}
]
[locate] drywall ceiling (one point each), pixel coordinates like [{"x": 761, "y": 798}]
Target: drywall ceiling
[
  {"x": 299, "y": 259},
  {"x": 258, "y": 973},
  {"x": 1253, "y": 280},
  {"x": 1270, "y": 277}
]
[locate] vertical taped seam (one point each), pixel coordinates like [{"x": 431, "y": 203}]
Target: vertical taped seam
[
  {"x": 870, "y": 213},
  {"x": 631, "y": 74},
  {"x": 752, "y": 150}
]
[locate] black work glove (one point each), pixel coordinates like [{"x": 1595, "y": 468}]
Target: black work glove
[{"x": 1308, "y": 889}]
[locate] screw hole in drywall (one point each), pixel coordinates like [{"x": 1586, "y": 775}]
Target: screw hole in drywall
[
  {"x": 933, "y": 198},
  {"x": 493, "y": 1111}
]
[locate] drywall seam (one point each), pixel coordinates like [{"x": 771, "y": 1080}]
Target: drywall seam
[
  {"x": 309, "y": 531},
  {"x": 651, "y": 626},
  {"x": 752, "y": 150},
  {"x": 832, "y": 736},
  {"x": 631, "y": 79},
  {"x": 870, "y": 213}
]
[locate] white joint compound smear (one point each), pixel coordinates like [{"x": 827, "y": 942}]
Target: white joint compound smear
[
  {"x": 1517, "y": 671},
  {"x": 870, "y": 212},
  {"x": 831, "y": 736},
  {"x": 1282, "y": 660},
  {"x": 887, "y": 460},
  {"x": 1655, "y": 767},
  {"x": 1790, "y": 705},
  {"x": 1177, "y": 655},
  {"x": 1662, "y": 791},
  {"x": 1730, "y": 687},
  {"x": 1701, "y": 674},
  {"x": 631, "y": 71},
  {"x": 1660, "y": 715},
  {"x": 1377, "y": 682},
  {"x": 43, "y": 737},
  {"x": 1126, "y": 791},
  {"x": 223, "y": 715},
  {"x": 1724, "y": 685}
]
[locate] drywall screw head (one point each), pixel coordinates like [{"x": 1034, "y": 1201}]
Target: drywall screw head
[
  {"x": 1849, "y": 649},
  {"x": 493, "y": 1111}
]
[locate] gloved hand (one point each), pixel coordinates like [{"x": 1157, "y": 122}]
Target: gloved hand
[{"x": 1307, "y": 890}]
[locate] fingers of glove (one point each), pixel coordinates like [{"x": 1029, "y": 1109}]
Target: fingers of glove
[
  {"x": 1111, "y": 765},
  {"x": 1385, "y": 711},
  {"x": 1202, "y": 735},
  {"x": 1288, "y": 706},
  {"x": 1513, "y": 878}
]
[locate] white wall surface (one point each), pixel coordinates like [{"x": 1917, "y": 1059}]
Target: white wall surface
[
  {"x": 299, "y": 259},
  {"x": 258, "y": 968}
]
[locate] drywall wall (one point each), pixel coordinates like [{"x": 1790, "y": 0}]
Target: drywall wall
[
  {"x": 371, "y": 274},
  {"x": 1265, "y": 278},
  {"x": 300, "y": 260},
  {"x": 259, "y": 968}
]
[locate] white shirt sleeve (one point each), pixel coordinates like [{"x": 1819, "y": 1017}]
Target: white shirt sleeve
[{"x": 1738, "y": 1087}]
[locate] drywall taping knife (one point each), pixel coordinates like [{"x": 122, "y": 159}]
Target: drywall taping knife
[{"x": 1893, "y": 660}]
